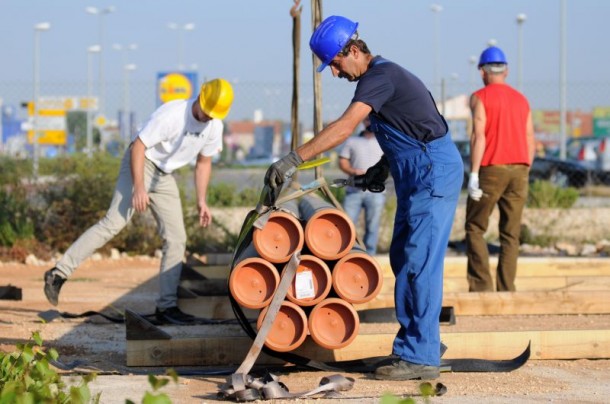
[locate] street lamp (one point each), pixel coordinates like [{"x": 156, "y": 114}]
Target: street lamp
[
  {"x": 124, "y": 116},
  {"x": 492, "y": 42},
  {"x": 472, "y": 60},
  {"x": 93, "y": 49},
  {"x": 101, "y": 12},
  {"x": 126, "y": 104},
  {"x": 520, "y": 20},
  {"x": 181, "y": 29},
  {"x": 436, "y": 9},
  {"x": 124, "y": 49},
  {"x": 38, "y": 28}
]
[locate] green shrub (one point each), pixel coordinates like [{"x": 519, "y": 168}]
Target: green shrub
[
  {"x": 15, "y": 223},
  {"x": 543, "y": 194},
  {"x": 14, "y": 171},
  {"x": 27, "y": 377}
]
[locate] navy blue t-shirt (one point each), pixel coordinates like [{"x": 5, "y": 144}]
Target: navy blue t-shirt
[{"x": 401, "y": 99}]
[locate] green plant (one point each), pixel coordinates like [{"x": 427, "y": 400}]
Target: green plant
[
  {"x": 15, "y": 221},
  {"x": 26, "y": 377},
  {"x": 157, "y": 383},
  {"x": 543, "y": 194},
  {"x": 426, "y": 390}
]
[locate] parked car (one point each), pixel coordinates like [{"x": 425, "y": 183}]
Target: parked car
[{"x": 562, "y": 173}]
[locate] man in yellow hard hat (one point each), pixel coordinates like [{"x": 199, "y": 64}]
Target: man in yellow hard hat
[{"x": 178, "y": 132}]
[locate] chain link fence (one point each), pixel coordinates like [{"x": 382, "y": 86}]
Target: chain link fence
[{"x": 588, "y": 105}]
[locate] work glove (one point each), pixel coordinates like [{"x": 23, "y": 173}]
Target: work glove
[
  {"x": 474, "y": 191},
  {"x": 282, "y": 169},
  {"x": 375, "y": 176}
]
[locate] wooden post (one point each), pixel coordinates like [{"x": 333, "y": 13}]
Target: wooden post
[{"x": 295, "y": 13}]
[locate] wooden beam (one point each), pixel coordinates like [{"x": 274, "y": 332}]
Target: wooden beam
[
  {"x": 227, "y": 351},
  {"x": 493, "y": 303},
  {"x": 526, "y": 266},
  {"x": 212, "y": 307}
]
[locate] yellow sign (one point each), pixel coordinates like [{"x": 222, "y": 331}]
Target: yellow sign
[
  {"x": 51, "y": 126},
  {"x": 175, "y": 86},
  {"x": 100, "y": 121}
]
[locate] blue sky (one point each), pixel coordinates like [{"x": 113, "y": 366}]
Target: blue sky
[{"x": 250, "y": 41}]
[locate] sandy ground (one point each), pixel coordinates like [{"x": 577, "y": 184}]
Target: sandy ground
[{"x": 131, "y": 283}]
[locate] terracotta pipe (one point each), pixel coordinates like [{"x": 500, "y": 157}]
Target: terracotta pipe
[
  {"x": 281, "y": 236},
  {"x": 357, "y": 277},
  {"x": 253, "y": 282},
  {"x": 312, "y": 272},
  {"x": 333, "y": 323},
  {"x": 289, "y": 328},
  {"x": 329, "y": 232}
]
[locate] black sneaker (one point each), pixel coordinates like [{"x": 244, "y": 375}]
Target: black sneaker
[
  {"x": 52, "y": 285},
  {"x": 173, "y": 315},
  {"x": 403, "y": 370}
]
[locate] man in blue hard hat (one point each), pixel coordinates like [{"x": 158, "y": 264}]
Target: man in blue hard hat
[
  {"x": 427, "y": 170},
  {"x": 502, "y": 149}
]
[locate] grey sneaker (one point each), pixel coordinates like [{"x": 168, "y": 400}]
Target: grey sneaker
[
  {"x": 173, "y": 315},
  {"x": 52, "y": 285},
  {"x": 403, "y": 370}
]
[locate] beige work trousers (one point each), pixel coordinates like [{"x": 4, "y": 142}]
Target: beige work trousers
[{"x": 167, "y": 211}]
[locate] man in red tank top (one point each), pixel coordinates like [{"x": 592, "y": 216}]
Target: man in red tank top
[{"x": 501, "y": 152}]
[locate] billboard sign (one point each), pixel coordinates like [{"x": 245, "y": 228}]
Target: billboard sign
[
  {"x": 601, "y": 121},
  {"x": 176, "y": 86}
]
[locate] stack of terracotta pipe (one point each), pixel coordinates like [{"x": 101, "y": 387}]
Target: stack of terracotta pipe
[{"x": 333, "y": 274}]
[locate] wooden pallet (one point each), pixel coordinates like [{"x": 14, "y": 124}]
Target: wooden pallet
[{"x": 546, "y": 286}]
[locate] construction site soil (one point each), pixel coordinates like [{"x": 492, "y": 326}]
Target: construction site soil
[{"x": 112, "y": 286}]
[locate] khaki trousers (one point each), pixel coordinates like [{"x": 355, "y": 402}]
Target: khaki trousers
[
  {"x": 167, "y": 211},
  {"x": 506, "y": 186}
]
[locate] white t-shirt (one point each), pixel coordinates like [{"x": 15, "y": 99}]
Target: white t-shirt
[{"x": 173, "y": 137}]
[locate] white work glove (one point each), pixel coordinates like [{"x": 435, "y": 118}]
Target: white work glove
[{"x": 474, "y": 191}]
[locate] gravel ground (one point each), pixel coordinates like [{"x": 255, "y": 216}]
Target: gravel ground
[{"x": 130, "y": 283}]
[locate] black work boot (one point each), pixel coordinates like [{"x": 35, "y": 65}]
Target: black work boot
[
  {"x": 52, "y": 285},
  {"x": 403, "y": 370},
  {"x": 173, "y": 315}
]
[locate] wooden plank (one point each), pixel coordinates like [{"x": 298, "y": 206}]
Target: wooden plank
[
  {"x": 227, "y": 351},
  {"x": 526, "y": 266},
  {"x": 465, "y": 303},
  {"x": 494, "y": 303},
  {"x": 212, "y": 307},
  {"x": 212, "y": 271}
]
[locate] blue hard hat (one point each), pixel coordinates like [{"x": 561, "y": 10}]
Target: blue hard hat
[
  {"x": 330, "y": 37},
  {"x": 492, "y": 54}
]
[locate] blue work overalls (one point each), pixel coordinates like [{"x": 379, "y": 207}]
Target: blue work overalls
[{"x": 428, "y": 179}]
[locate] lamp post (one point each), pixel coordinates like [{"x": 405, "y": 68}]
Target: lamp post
[
  {"x": 436, "y": 9},
  {"x": 101, "y": 12},
  {"x": 38, "y": 28},
  {"x": 520, "y": 20},
  {"x": 492, "y": 42},
  {"x": 472, "y": 60},
  {"x": 124, "y": 117},
  {"x": 93, "y": 49},
  {"x": 563, "y": 77},
  {"x": 124, "y": 49},
  {"x": 126, "y": 102},
  {"x": 181, "y": 29}
]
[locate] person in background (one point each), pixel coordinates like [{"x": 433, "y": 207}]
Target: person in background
[
  {"x": 358, "y": 154},
  {"x": 428, "y": 173},
  {"x": 502, "y": 151},
  {"x": 177, "y": 132}
]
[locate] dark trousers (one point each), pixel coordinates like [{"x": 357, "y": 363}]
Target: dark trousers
[{"x": 506, "y": 186}]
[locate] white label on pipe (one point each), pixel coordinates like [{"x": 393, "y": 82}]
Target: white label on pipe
[{"x": 303, "y": 285}]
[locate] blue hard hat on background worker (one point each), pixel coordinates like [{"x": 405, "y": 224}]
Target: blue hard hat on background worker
[
  {"x": 330, "y": 37},
  {"x": 492, "y": 55}
]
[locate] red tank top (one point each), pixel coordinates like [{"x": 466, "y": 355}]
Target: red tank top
[{"x": 506, "y": 111}]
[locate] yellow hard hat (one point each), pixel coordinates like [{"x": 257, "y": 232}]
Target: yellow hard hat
[{"x": 215, "y": 98}]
